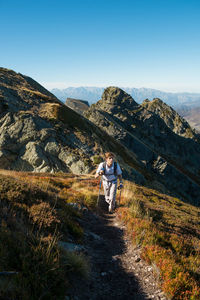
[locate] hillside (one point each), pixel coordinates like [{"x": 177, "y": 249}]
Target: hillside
[
  {"x": 80, "y": 106},
  {"x": 166, "y": 146},
  {"x": 39, "y": 133},
  {"x": 55, "y": 243},
  {"x": 171, "y": 118},
  {"x": 36, "y": 223}
]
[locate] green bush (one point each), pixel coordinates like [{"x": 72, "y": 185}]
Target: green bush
[
  {"x": 137, "y": 209},
  {"x": 90, "y": 200}
]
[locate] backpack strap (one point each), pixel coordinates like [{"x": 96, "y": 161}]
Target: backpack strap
[
  {"x": 104, "y": 167},
  {"x": 115, "y": 168}
]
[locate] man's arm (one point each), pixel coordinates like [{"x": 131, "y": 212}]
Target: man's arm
[
  {"x": 119, "y": 173},
  {"x": 99, "y": 174},
  {"x": 99, "y": 171}
]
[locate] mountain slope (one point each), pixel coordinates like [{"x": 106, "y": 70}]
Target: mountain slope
[
  {"x": 171, "y": 118},
  {"x": 78, "y": 105},
  {"x": 173, "y": 158},
  {"x": 40, "y": 133}
]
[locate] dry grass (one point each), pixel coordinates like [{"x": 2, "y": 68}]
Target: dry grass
[
  {"x": 168, "y": 231},
  {"x": 33, "y": 219},
  {"x": 35, "y": 214}
]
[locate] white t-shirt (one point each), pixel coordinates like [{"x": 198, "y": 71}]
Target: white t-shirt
[{"x": 109, "y": 172}]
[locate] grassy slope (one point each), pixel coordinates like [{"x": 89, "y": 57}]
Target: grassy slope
[
  {"x": 168, "y": 232},
  {"x": 35, "y": 215}
]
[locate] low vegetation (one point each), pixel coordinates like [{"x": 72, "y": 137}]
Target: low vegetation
[
  {"x": 35, "y": 216},
  {"x": 168, "y": 231},
  {"x": 40, "y": 210}
]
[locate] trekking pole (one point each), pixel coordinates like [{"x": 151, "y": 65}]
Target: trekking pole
[
  {"x": 99, "y": 192},
  {"x": 120, "y": 196},
  {"x": 120, "y": 189}
]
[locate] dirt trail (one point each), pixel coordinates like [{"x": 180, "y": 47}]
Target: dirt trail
[{"x": 117, "y": 272}]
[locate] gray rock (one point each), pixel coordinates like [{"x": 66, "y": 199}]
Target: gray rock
[
  {"x": 94, "y": 236},
  {"x": 6, "y": 158},
  {"x": 138, "y": 259},
  {"x": 79, "y": 167},
  {"x": 34, "y": 155},
  {"x": 52, "y": 147},
  {"x": 71, "y": 246}
]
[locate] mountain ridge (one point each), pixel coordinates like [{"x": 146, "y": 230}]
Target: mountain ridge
[
  {"x": 144, "y": 133},
  {"x": 93, "y": 94}
]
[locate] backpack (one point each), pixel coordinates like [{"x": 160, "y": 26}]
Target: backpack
[{"x": 115, "y": 168}]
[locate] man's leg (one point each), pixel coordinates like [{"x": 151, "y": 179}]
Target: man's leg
[
  {"x": 106, "y": 187},
  {"x": 113, "y": 190}
]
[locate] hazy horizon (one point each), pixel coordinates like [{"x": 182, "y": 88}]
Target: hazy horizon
[{"x": 47, "y": 86}]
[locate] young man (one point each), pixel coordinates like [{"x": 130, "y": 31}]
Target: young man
[{"x": 110, "y": 171}]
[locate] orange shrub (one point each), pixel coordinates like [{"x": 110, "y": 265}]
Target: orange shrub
[{"x": 172, "y": 254}]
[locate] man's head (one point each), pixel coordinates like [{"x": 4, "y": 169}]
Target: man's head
[{"x": 109, "y": 156}]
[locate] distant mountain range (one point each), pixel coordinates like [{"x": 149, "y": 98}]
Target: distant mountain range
[
  {"x": 186, "y": 104},
  {"x": 93, "y": 94}
]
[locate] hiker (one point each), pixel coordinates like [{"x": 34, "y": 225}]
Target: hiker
[{"x": 110, "y": 171}]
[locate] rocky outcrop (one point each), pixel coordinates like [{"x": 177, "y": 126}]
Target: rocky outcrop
[
  {"x": 171, "y": 118},
  {"x": 30, "y": 143},
  {"x": 157, "y": 143},
  {"x": 39, "y": 133},
  {"x": 80, "y": 106}
]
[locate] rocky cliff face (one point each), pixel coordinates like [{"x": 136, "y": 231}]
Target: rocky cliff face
[
  {"x": 157, "y": 137},
  {"x": 171, "y": 118},
  {"x": 39, "y": 133}
]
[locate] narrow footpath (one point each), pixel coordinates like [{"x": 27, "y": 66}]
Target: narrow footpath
[{"x": 117, "y": 271}]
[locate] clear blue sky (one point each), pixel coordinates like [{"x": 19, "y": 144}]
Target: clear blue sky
[{"x": 138, "y": 43}]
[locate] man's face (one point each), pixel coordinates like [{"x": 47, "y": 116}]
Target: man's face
[{"x": 109, "y": 161}]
